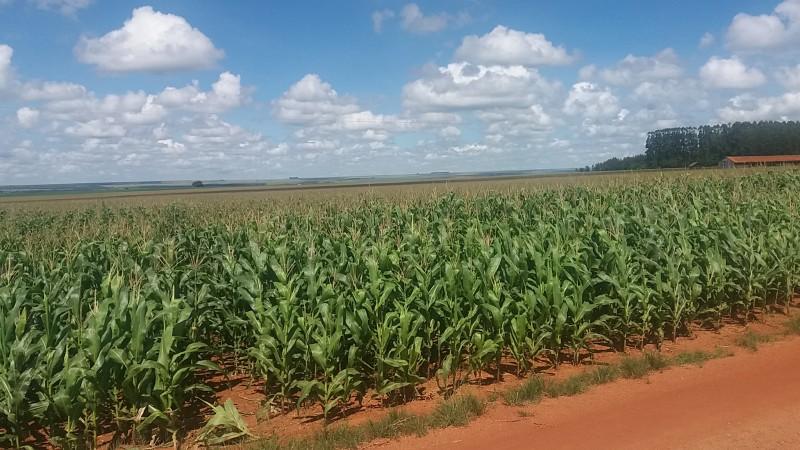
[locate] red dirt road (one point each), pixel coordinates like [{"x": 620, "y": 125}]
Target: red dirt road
[{"x": 748, "y": 401}]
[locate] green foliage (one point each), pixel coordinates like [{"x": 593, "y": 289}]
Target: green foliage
[{"x": 225, "y": 426}]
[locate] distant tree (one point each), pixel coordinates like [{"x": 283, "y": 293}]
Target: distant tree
[
  {"x": 709, "y": 144},
  {"x": 197, "y": 184}
]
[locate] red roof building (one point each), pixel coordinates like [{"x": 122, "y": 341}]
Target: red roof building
[{"x": 760, "y": 161}]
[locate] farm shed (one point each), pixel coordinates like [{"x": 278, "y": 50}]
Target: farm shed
[{"x": 760, "y": 161}]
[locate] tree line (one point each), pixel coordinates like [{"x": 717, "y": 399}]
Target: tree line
[{"x": 709, "y": 144}]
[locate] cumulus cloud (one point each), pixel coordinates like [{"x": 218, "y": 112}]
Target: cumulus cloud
[
  {"x": 312, "y": 101},
  {"x": 415, "y": 21},
  {"x": 780, "y": 29},
  {"x": 636, "y": 69},
  {"x": 150, "y": 41},
  {"x": 226, "y": 93},
  {"x": 379, "y": 17},
  {"x": 6, "y": 53},
  {"x": 66, "y": 7},
  {"x": 450, "y": 131},
  {"x": 505, "y": 46},
  {"x": 27, "y": 117},
  {"x": 49, "y": 90},
  {"x": 707, "y": 40},
  {"x": 329, "y": 122},
  {"x": 683, "y": 90},
  {"x": 97, "y": 128},
  {"x": 505, "y": 123},
  {"x": 730, "y": 73},
  {"x": 789, "y": 77},
  {"x": 750, "y": 108},
  {"x": 467, "y": 86},
  {"x": 72, "y": 102},
  {"x": 592, "y": 101}
]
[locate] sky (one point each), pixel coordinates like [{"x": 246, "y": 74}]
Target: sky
[{"x": 100, "y": 90}]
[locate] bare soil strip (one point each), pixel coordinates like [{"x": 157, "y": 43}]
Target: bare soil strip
[{"x": 749, "y": 401}]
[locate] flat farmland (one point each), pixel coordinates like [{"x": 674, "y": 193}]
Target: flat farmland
[{"x": 128, "y": 319}]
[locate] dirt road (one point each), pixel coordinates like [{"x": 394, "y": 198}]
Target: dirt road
[{"x": 748, "y": 401}]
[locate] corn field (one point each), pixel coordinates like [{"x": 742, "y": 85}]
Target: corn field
[{"x": 115, "y": 320}]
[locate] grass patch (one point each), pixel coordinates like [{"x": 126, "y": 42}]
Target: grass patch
[
  {"x": 793, "y": 326},
  {"x": 699, "y": 357},
  {"x": 457, "y": 411},
  {"x": 630, "y": 367},
  {"x": 532, "y": 390},
  {"x": 751, "y": 340},
  {"x": 656, "y": 361},
  {"x": 395, "y": 424},
  {"x": 633, "y": 368},
  {"x": 574, "y": 385},
  {"x": 603, "y": 374}
]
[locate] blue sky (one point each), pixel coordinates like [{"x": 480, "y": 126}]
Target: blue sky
[{"x": 94, "y": 90}]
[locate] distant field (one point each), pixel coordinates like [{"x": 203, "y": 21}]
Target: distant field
[{"x": 392, "y": 188}]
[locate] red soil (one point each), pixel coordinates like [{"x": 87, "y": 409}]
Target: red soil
[
  {"x": 748, "y": 401},
  {"x": 625, "y": 414},
  {"x": 309, "y": 420}
]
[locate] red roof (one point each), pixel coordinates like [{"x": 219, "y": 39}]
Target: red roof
[{"x": 763, "y": 159}]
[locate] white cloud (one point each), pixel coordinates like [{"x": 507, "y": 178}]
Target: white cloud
[
  {"x": 150, "y": 113},
  {"x": 97, "y": 128},
  {"x": 150, "y": 41},
  {"x": 6, "y": 53},
  {"x": 730, "y": 73},
  {"x": 415, "y": 21},
  {"x": 592, "y": 101},
  {"x": 469, "y": 148},
  {"x": 379, "y": 17},
  {"x": 213, "y": 130},
  {"x": 635, "y": 69},
  {"x": 329, "y": 122},
  {"x": 707, "y": 40},
  {"x": 450, "y": 132},
  {"x": 27, "y": 117},
  {"x": 683, "y": 90},
  {"x": 781, "y": 29},
  {"x": 66, "y": 7},
  {"x": 47, "y": 91},
  {"x": 132, "y": 135},
  {"x": 364, "y": 120},
  {"x": 504, "y": 46},
  {"x": 226, "y": 93},
  {"x": 750, "y": 108},
  {"x": 312, "y": 101},
  {"x": 171, "y": 146},
  {"x": 318, "y": 144},
  {"x": 466, "y": 86},
  {"x": 789, "y": 77},
  {"x": 504, "y": 123},
  {"x": 89, "y": 107}
]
